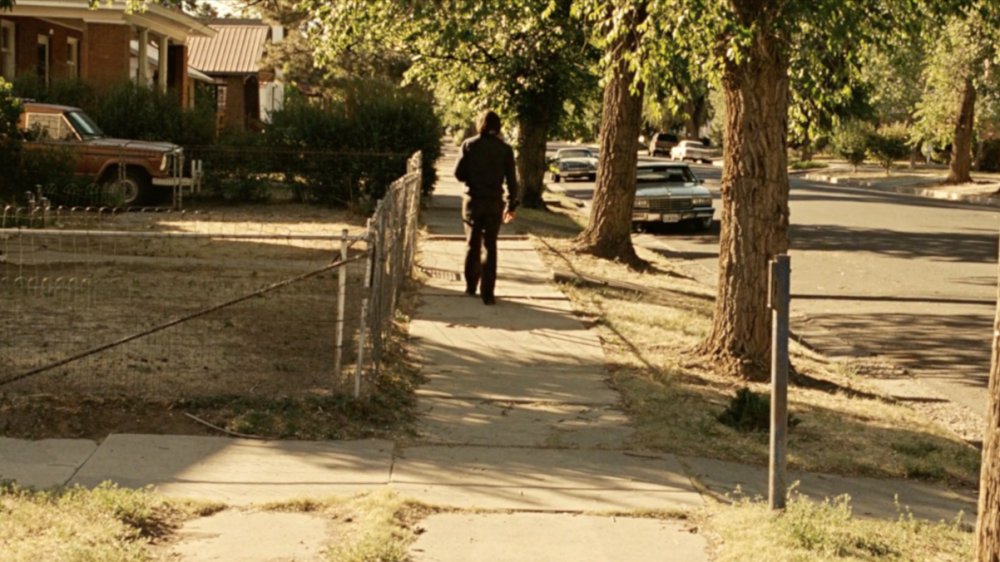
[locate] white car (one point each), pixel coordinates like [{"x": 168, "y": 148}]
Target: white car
[
  {"x": 574, "y": 163},
  {"x": 692, "y": 150},
  {"x": 671, "y": 193}
]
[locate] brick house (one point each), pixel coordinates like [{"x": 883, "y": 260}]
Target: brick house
[
  {"x": 246, "y": 91},
  {"x": 66, "y": 39}
]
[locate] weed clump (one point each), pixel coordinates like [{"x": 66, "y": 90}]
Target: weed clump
[{"x": 750, "y": 411}]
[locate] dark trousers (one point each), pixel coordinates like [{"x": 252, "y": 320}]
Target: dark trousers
[{"x": 482, "y": 220}]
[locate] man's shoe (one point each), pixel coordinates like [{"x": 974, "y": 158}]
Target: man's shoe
[
  {"x": 471, "y": 292},
  {"x": 489, "y": 301}
]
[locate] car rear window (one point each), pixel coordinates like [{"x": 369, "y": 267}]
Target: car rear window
[{"x": 574, "y": 154}]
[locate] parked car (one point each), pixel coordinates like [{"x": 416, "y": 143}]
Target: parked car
[
  {"x": 661, "y": 143},
  {"x": 135, "y": 171},
  {"x": 574, "y": 163},
  {"x": 671, "y": 193},
  {"x": 692, "y": 150}
]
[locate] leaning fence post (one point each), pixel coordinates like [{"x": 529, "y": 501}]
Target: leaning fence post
[
  {"x": 341, "y": 297},
  {"x": 778, "y": 301},
  {"x": 362, "y": 330}
]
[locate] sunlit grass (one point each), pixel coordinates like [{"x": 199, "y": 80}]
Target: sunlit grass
[
  {"x": 372, "y": 527},
  {"x": 810, "y": 531},
  {"x": 674, "y": 396},
  {"x": 106, "y": 523}
]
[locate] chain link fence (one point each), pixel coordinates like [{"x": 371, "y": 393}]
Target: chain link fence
[{"x": 265, "y": 301}]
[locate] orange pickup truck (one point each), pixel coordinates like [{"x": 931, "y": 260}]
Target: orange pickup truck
[{"x": 136, "y": 172}]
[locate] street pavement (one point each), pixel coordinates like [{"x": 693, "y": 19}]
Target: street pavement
[{"x": 518, "y": 430}]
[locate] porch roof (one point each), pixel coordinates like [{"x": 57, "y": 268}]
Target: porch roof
[{"x": 174, "y": 24}]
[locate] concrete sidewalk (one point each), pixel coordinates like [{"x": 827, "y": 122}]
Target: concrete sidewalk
[{"x": 516, "y": 415}]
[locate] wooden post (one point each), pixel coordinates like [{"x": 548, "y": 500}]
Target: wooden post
[{"x": 778, "y": 301}]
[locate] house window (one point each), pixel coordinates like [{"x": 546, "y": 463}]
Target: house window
[
  {"x": 7, "y": 59},
  {"x": 43, "y": 60},
  {"x": 73, "y": 56}
]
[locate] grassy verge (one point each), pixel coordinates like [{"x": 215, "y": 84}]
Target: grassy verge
[
  {"x": 819, "y": 531},
  {"x": 675, "y": 399},
  {"x": 807, "y": 165},
  {"x": 107, "y": 523}
]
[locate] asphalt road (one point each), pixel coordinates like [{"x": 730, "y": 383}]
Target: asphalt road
[{"x": 908, "y": 279}]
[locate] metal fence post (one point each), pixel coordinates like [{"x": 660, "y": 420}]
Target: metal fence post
[
  {"x": 778, "y": 301},
  {"x": 362, "y": 329},
  {"x": 341, "y": 297}
]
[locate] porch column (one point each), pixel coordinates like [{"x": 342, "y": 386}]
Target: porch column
[
  {"x": 143, "y": 78},
  {"x": 163, "y": 47}
]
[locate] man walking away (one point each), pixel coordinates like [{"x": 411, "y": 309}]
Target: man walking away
[{"x": 483, "y": 164}]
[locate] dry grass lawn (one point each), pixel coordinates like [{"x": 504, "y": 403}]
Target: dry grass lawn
[{"x": 674, "y": 397}]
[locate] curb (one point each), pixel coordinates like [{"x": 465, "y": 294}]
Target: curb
[{"x": 920, "y": 188}]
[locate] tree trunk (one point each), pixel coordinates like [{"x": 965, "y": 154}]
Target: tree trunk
[
  {"x": 961, "y": 146},
  {"x": 609, "y": 233},
  {"x": 531, "y": 138},
  {"x": 754, "y": 198},
  {"x": 988, "y": 525}
]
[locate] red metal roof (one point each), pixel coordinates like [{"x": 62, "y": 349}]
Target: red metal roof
[{"x": 235, "y": 49}]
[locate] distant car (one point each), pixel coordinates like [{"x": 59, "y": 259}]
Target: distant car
[
  {"x": 661, "y": 143},
  {"x": 574, "y": 163},
  {"x": 692, "y": 150},
  {"x": 137, "y": 171},
  {"x": 671, "y": 193}
]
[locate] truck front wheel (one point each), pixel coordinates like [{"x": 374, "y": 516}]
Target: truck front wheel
[{"x": 133, "y": 189}]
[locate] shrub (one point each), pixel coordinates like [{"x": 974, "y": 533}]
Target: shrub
[
  {"x": 991, "y": 156},
  {"x": 888, "y": 144},
  {"x": 750, "y": 411},
  {"x": 349, "y": 153},
  {"x": 10, "y": 144},
  {"x": 135, "y": 112},
  {"x": 850, "y": 142}
]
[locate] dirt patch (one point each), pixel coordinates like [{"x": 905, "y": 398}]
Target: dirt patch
[{"x": 129, "y": 333}]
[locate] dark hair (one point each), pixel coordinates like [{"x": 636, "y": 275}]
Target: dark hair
[{"x": 488, "y": 123}]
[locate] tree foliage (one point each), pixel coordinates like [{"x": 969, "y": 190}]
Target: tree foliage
[
  {"x": 961, "y": 49},
  {"x": 524, "y": 58}
]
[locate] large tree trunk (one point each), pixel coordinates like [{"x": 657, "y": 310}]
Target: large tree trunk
[
  {"x": 754, "y": 198},
  {"x": 988, "y": 525},
  {"x": 609, "y": 233},
  {"x": 531, "y": 138},
  {"x": 961, "y": 146}
]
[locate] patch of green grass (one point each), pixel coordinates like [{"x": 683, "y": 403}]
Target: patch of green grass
[
  {"x": 106, "y": 523},
  {"x": 818, "y": 531}
]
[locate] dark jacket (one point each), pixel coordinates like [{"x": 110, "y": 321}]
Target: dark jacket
[{"x": 483, "y": 164}]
